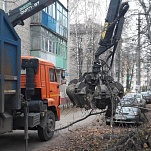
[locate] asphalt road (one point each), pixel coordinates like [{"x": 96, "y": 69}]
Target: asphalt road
[{"x": 14, "y": 141}]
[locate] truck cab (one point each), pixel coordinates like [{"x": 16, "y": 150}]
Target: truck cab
[{"x": 40, "y": 86}]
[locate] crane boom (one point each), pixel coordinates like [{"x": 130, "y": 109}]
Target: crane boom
[
  {"x": 112, "y": 29},
  {"x": 19, "y": 14}
]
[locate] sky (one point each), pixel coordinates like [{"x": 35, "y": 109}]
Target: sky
[{"x": 89, "y": 9}]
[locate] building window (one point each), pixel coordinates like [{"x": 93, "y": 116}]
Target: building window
[
  {"x": 48, "y": 41},
  {"x": 46, "y": 44},
  {"x": 54, "y": 47},
  {"x": 61, "y": 30},
  {"x": 43, "y": 43},
  {"x": 54, "y": 11},
  {"x": 59, "y": 13},
  {"x": 50, "y": 45},
  {"x": 59, "y": 17},
  {"x": 58, "y": 50},
  {"x": 64, "y": 21},
  {"x": 58, "y": 46},
  {"x": 59, "y": 7},
  {"x": 61, "y": 48},
  {"x": 50, "y": 10},
  {"x": 46, "y": 10},
  {"x": 64, "y": 12}
]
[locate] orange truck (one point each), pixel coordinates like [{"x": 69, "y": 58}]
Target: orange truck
[
  {"x": 29, "y": 87},
  {"x": 30, "y": 95},
  {"x": 39, "y": 78}
]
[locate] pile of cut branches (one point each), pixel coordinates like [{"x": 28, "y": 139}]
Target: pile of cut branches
[
  {"x": 100, "y": 138},
  {"x": 135, "y": 140}
]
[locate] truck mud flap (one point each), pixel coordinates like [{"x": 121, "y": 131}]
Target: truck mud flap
[{"x": 6, "y": 123}]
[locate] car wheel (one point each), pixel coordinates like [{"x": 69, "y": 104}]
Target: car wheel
[{"x": 46, "y": 133}]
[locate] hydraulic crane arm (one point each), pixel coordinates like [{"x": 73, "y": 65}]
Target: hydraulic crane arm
[
  {"x": 112, "y": 29},
  {"x": 97, "y": 89},
  {"x": 19, "y": 14}
]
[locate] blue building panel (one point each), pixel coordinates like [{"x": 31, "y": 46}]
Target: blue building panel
[
  {"x": 44, "y": 18},
  {"x": 48, "y": 21},
  {"x": 51, "y": 23}
]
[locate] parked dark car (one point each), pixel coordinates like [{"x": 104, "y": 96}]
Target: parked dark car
[{"x": 147, "y": 96}]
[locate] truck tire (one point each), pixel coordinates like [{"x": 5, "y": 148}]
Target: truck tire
[{"x": 46, "y": 133}]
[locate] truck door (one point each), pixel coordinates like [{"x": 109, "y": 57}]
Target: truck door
[{"x": 54, "y": 86}]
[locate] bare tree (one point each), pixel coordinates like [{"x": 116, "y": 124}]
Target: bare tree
[
  {"x": 84, "y": 35},
  {"x": 128, "y": 51},
  {"x": 146, "y": 5}
]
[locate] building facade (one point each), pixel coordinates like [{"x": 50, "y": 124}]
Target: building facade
[
  {"x": 49, "y": 38},
  {"x": 49, "y": 34}
]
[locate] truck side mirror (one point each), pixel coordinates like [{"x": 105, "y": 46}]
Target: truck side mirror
[
  {"x": 63, "y": 74},
  {"x": 63, "y": 81}
]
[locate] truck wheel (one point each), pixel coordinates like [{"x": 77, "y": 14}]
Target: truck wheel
[{"x": 47, "y": 131}]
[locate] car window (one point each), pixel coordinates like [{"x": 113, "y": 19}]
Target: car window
[
  {"x": 133, "y": 95},
  {"x": 128, "y": 101},
  {"x": 138, "y": 96},
  {"x": 145, "y": 94}
]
